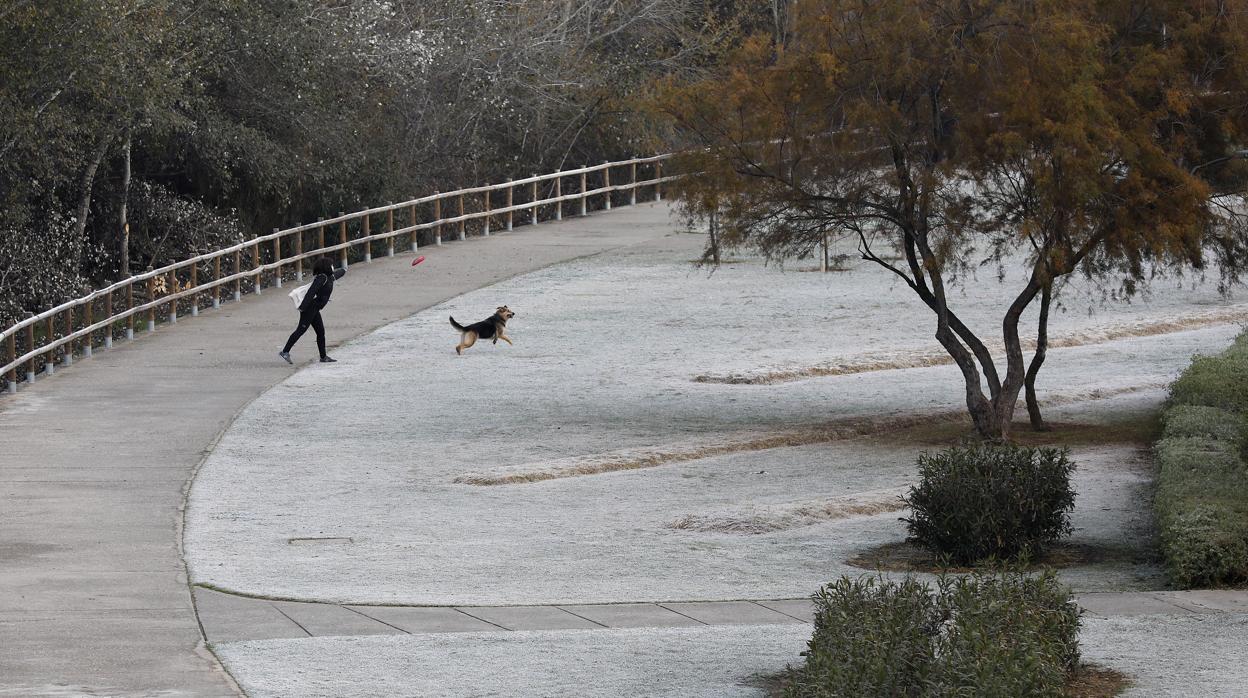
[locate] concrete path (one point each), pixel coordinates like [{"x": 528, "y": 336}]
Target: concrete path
[
  {"x": 95, "y": 462},
  {"x": 230, "y": 618}
]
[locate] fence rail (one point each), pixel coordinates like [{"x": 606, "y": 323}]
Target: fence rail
[{"x": 53, "y": 336}]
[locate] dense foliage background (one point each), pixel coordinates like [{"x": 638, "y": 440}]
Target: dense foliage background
[{"x": 197, "y": 122}]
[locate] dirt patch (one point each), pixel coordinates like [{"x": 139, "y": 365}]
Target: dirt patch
[
  {"x": 1138, "y": 429},
  {"x": 779, "y": 517},
  {"x": 925, "y": 357},
  {"x": 908, "y": 557},
  {"x": 1086, "y": 681},
  {"x": 1092, "y": 681},
  {"x": 615, "y": 461}
]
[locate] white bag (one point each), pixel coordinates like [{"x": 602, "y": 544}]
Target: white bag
[{"x": 298, "y": 294}]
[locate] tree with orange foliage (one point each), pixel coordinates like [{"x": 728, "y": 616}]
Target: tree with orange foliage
[{"x": 1105, "y": 137}]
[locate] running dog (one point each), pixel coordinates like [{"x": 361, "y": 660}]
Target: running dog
[{"x": 493, "y": 327}]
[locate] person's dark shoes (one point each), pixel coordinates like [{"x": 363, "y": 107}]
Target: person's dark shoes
[
  {"x": 285, "y": 355},
  {"x": 328, "y": 360}
]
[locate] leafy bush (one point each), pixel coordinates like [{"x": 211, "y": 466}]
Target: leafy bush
[
  {"x": 1200, "y": 420},
  {"x": 981, "y": 635},
  {"x": 1202, "y": 479},
  {"x": 991, "y": 501},
  {"x": 1215, "y": 381}
]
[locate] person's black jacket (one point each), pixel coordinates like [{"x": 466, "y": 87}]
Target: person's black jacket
[{"x": 322, "y": 289}]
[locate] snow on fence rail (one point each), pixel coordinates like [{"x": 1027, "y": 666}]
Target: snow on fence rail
[{"x": 71, "y": 328}]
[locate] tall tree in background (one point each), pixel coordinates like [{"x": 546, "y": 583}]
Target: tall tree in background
[{"x": 1102, "y": 137}]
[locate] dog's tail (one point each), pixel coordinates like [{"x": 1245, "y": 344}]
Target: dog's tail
[{"x": 457, "y": 326}]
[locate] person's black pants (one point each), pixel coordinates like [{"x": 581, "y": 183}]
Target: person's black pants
[{"x": 308, "y": 318}]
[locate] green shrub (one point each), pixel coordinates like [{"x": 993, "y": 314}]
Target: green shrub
[
  {"x": 1203, "y": 421},
  {"x": 1202, "y": 478},
  {"x": 1215, "y": 381},
  {"x": 991, "y": 501},
  {"x": 981, "y": 635},
  {"x": 871, "y": 638}
]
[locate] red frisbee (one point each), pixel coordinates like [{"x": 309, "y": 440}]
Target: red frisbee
[{"x": 418, "y": 260}]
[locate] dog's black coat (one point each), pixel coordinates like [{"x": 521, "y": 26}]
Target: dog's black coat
[{"x": 484, "y": 329}]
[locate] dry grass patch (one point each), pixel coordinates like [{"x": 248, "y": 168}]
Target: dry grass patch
[{"x": 780, "y": 517}]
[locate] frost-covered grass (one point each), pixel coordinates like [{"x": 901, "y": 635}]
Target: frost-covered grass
[{"x": 602, "y": 371}]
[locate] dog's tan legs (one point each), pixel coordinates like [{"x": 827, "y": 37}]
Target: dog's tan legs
[
  {"x": 505, "y": 339},
  {"x": 469, "y": 339}
]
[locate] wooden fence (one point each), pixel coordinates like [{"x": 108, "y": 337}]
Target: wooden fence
[{"x": 78, "y": 327}]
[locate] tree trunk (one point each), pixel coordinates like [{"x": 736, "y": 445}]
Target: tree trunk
[
  {"x": 125, "y": 197},
  {"x": 1042, "y": 343},
  {"x": 86, "y": 185}
]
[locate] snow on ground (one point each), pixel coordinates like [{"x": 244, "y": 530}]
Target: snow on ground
[
  {"x": 606, "y": 350},
  {"x": 1198, "y": 656},
  {"x": 1164, "y": 656},
  {"x": 715, "y": 662}
]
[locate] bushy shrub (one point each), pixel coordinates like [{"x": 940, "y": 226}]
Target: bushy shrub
[
  {"x": 1008, "y": 636},
  {"x": 981, "y": 635},
  {"x": 991, "y": 501},
  {"x": 1202, "y": 478},
  {"x": 1203, "y": 421},
  {"x": 1215, "y": 381}
]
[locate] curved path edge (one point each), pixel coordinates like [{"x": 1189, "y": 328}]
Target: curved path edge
[
  {"x": 234, "y": 618},
  {"x": 95, "y": 597}
]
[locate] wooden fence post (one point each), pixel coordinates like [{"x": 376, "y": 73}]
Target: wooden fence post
[
  {"x": 12, "y": 358},
  {"x": 390, "y": 230},
  {"x": 368, "y": 244},
  {"x": 462, "y": 236},
  {"x": 534, "y": 200},
  {"x": 584, "y": 176},
  {"x": 30, "y": 346},
  {"x": 299, "y": 255},
  {"x": 437, "y": 216},
  {"x": 485, "y": 196},
  {"x": 130, "y": 307},
  {"x": 216, "y": 276},
  {"x": 658, "y": 177},
  {"x": 238, "y": 280},
  {"x": 89, "y": 338},
  {"x": 632, "y": 190},
  {"x": 277, "y": 257},
  {"x": 171, "y": 287},
  {"x": 411, "y": 214},
  {"x": 558, "y": 195},
  {"x": 49, "y": 362},
  {"x": 151, "y": 297},
  {"x": 606, "y": 183},
  {"x": 320, "y": 239},
  {"x": 511, "y": 193},
  {"x": 255, "y": 255},
  {"x": 67, "y": 355},
  {"x": 342, "y": 239},
  {"x": 108, "y": 312},
  {"x": 194, "y": 286}
]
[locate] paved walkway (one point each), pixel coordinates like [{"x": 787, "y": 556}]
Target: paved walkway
[
  {"x": 96, "y": 459},
  {"x": 230, "y": 618}
]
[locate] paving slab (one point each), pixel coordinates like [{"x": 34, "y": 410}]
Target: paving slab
[
  {"x": 632, "y": 615},
  {"x": 530, "y": 617},
  {"x": 227, "y": 618},
  {"x": 426, "y": 619},
  {"x": 96, "y": 459},
  {"x": 325, "y": 620},
  {"x": 729, "y": 612},
  {"x": 1222, "y": 600},
  {"x": 800, "y": 609},
  {"x": 1141, "y": 603}
]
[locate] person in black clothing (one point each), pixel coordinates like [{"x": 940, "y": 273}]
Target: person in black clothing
[{"x": 310, "y": 309}]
